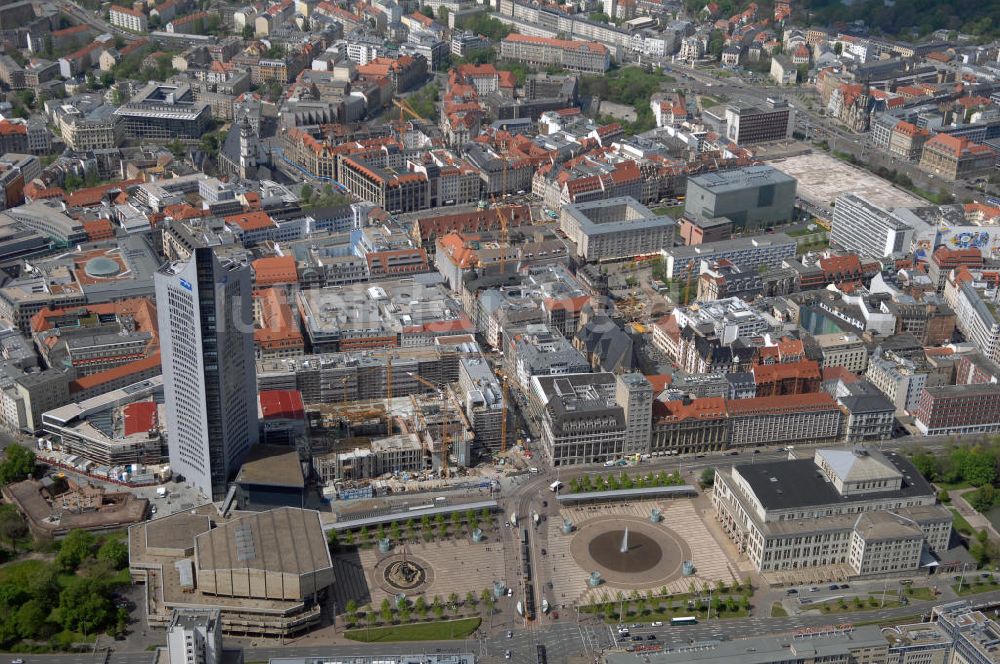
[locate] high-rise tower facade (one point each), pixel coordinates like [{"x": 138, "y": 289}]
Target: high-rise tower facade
[{"x": 204, "y": 307}]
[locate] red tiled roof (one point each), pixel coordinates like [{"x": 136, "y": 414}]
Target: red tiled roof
[
  {"x": 103, "y": 377},
  {"x": 840, "y": 264},
  {"x": 8, "y": 128},
  {"x": 125, "y": 10},
  {"x": 95, "y": 195},
  {"x": 786, "y": 403},
  {"x": 565, "y": 44},
  {"x": 955, "y": 145},
  {"x": 99, "y": 229},
  {"x": 773, "y": 373},
  {"x": 275, "y": 270},
  {"x": 140, "y": 417},
  {"x": 282, "y": 404},
  {"x": 251, "y": 221}
]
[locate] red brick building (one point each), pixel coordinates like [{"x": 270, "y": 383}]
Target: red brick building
[{"x": 959, "y": 409}]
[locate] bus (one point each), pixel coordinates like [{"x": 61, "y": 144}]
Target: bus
[{"x": 684, "y": 620}]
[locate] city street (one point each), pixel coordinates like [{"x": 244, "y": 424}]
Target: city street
[{"x": 564, "y": 640}]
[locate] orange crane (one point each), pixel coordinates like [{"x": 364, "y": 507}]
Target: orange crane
[
  {"x": 503, "y": 414},
  {"x": 504, "y": 235},
  {"x": 388, "y": 392},
  {"x": 445, "y": 426}
]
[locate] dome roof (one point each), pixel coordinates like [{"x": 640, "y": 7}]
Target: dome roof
[{"x": 101, "y": 267}]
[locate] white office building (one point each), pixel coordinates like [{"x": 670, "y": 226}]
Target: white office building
[
  {"x": 195, "y": 637},
  {"x": 861, "y": 226},
  {"x": 204, "y": 306}
]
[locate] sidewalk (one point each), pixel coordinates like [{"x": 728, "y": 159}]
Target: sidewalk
[{"x": 975, "y": 519}]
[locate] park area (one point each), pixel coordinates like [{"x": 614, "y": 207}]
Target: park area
[
  {"x": 967, "y": 479},
  {"x": 631, "y": 86}
]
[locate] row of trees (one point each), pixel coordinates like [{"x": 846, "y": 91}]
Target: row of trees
[
  {"x": 18, "y": 464},
  {"x": 734, "y": 598},
  {"x": 405, "y": 611},
  {"x": 424, "y": 101},
  {"x": 975, "y": 465},
  {"x": 327, "y": 196},
  {"x": 413, "y": 530},
  {"x": 487, "y": 26},
  {"x": 941, "y": 197},
  {"x": 624, "y": 481},
  {"x": 67, "y": 597},
  {"x": 633, "y": 86}
]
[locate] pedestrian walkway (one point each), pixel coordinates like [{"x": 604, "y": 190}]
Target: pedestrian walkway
[{"x": 458, "y": 566}]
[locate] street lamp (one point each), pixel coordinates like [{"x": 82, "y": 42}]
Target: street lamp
[{"x": 961, "y": 579}]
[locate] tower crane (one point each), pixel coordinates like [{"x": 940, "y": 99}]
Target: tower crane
[
  {"x": 504, "y": 235},
  {"x": 388, "y": 392},
  {"x": 503, "y": 414},
  {"x": 445, "y": 428}
]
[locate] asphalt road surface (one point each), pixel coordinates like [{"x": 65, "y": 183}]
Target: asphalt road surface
[{"x": 564, "y": 640}]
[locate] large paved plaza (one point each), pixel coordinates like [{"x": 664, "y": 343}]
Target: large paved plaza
[
  {"x": 653, "y": 558},
  {"x": 681, "y": 535},
  {"x": 821, "y": 178},
  {"x": 451, "y": 566}
]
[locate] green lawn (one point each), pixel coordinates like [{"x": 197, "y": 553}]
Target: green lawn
[
  {"x": 799, "y": 232},
  {"x": 960, "y": 524},
  {"x": 432, "y": 631},
  {"x": 19, "y": 569},
  {"x": 873, "y": 601},
  {"x": 708, "y": 102},
  {"x": 949, "y": 486},
  {"x": 675, "y": 211},
  {"x": 919, "y": 593},
  {"x": 778, "y": 611},
  {"x": 974, "y": 586}
]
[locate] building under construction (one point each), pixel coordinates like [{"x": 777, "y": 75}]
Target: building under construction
[
  {"x": 424, "y": 429},
  {"x": 342, "y": 378}
]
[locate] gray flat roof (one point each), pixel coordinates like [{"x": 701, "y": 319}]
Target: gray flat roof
[
  {"x": 831, "y": 642},
  {"x": 641, "y": 216},
  {"x": 272, "y": 465},
  {"x": 644, "y": 492},
  {"x": 348, "y": 524},
  {"x": 796, "y": 483},
  {"x": 709, "y": 249},
  {"x": 740, "y": 178},
  {"x": 285, "y": 539}
]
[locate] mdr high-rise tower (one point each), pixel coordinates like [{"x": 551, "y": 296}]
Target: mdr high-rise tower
[{"x": 204, "y": 305}]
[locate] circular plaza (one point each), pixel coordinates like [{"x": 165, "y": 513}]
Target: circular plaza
[{"x": 629, "y": 552}]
